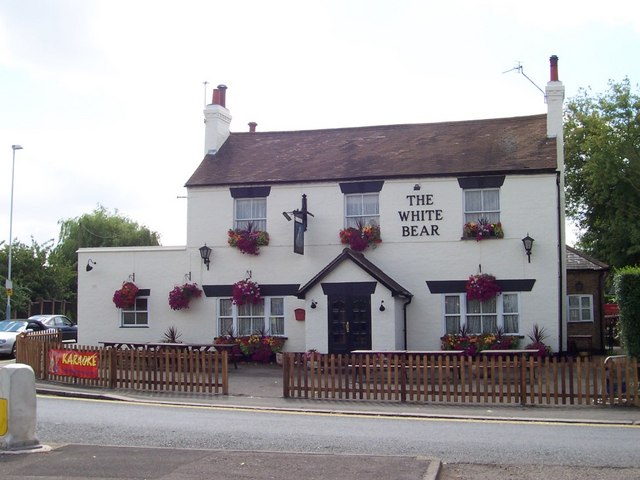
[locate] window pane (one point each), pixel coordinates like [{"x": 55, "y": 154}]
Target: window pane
[
  {"x": 128, "y": 318},
  {"x": 452, "y": 305},
  {"x": 452, "y": 324},
  {"x": 473, "y": 324},
  {"x": 489, "y": 306},
  {"x": 574, "y": 315},
  {"x": 489, "y": 324},
  {"x": 510, "y": 303},
  {"x": 225, "y": 326},
  {"x": 511, "y": 324},
  {"x": 370, "y": 206},
  {"x": 586, "y": 302},
  {"x": 574, "y": 301},
  {"x": 276, "y": 326},
  {"x": 491, "y": 200},
  {"x": 244, "y": 326},
  {"x": 472, "y": 201},
  {"x": 277, "y": 306},
  {"x": 226, "y": 307},
  {"x": 354, "y": 205},
  {"x": 243, "y": 209},
  {"x": 586, "y": 314},
  {"x": 473, "y": 306}
]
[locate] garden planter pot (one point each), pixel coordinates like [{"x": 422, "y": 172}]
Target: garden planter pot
[{"x": 300, "y": 314}]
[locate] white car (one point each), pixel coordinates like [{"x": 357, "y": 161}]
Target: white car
[
  {"x": 10, "y": 329},
  {"x": 66, "y": 327}
]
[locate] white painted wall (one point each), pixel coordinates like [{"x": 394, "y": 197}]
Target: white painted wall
[{"x": 528, "y": 205}]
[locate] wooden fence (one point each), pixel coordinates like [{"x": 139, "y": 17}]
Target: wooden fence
[
  {"x": 160, "y": 370},
  {"x": 444, "y": 378}
]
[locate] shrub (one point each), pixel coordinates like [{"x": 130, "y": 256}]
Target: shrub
[{"x": 627, "y": 285}]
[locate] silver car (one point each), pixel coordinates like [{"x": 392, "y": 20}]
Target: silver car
[{"x": 10, "y": 329}]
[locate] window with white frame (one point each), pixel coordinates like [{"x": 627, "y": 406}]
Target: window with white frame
[
  {"x": 361, "y": 209},
  {"x": 266, "y": 317},
  {"x": 481, "y": 317},
  {"x": 580, "y": 308},
  {"x": 482, "y": 204},
  {"x": 250, "y": 212},
  {"x": 137, "y": 315}
]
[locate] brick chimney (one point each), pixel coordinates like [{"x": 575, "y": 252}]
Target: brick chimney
[
  {"x": 252, "y": 127},
  {"x": 217, "y": 119}
]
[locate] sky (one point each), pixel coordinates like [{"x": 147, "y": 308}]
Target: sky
[{"x": 106, "y": 97}]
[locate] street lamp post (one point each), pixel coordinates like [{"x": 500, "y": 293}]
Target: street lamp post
[{"x": 9, "y": 284}]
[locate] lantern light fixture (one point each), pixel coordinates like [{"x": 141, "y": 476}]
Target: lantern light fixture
[
  {"x": 528, "y": 245},
  {"x": 205, "y": 254}
]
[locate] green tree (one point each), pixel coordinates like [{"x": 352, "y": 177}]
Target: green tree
[
  {"x": 602, "y": 145},
  {"x": 100, "y": 228},
  {"x": 32, "y": 276}
]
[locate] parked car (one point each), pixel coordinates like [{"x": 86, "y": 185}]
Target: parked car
[
  {"x": 61, "y": 323},
  {"x": 10, "y": 329}
]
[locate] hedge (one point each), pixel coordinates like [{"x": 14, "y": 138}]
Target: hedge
[{"x": 627, "y": 285}]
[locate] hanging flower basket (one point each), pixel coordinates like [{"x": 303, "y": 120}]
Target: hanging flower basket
[
  {"x": 482, "y": 287},
  {"x": 359, "y": 239},
  {"x": 125, "y": 297},
  {"x": 483, "y": 229},
  {"x": 180, "y": 296},
  {"x": 246, "y": 291},
  {"x": 248, "y": 241}
]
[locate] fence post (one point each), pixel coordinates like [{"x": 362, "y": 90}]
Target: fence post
[
  {"x": 113, "y": 375},
  {"x": 523, "y": 375},
  {"x": 403, "y": 378},
  {"x": 285, "y": 375}
]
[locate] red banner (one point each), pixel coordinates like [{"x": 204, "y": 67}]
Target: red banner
[{"x": 73, "y": 363}]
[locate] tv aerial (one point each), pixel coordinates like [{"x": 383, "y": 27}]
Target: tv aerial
[{"x": 520, "y": 70}]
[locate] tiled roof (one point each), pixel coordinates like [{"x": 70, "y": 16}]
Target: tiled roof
[
  {"x": 577, "y": 260},
  {"x": 494, "y": 146}
]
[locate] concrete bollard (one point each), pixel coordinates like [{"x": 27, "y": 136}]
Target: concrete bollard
[{"x": 17, "y": 407}]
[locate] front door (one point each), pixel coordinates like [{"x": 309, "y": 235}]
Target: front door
[{"x": 349, "y": 323}]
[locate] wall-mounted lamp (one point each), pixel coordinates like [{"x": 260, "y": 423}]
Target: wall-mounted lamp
[
  {"x": 90, "y": 265},
  {"x": 132, "y": 277},
  {"x": 287, "y": 216},
  {"x": 528, "y": 245},
  {"x": 205, "y": 253},
  {"x": 416, "y": 187},
  {"x": 314, "y": 304},
  {"x": 382, "y": 308}
]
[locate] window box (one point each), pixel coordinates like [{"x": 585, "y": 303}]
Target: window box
[
  {"x": 248, "y": 240},
  {"x": 359, "y": 239},
  {"x": 482, "y": 229}
]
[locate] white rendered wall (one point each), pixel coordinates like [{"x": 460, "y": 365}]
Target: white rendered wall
[{"x": 528, "y": 205}]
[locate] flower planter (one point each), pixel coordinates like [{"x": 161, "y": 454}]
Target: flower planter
[{"x": 300, "y": 314}]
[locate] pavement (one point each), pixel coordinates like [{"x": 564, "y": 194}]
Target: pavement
[{"x": 259, "y": 387}]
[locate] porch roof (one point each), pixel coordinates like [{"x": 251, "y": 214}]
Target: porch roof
[{"x": 359, "y": 259}]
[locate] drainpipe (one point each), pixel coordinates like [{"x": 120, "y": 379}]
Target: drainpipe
[
  {"x": 404, "y": 309},
  {"x": 561, "y": 252}
]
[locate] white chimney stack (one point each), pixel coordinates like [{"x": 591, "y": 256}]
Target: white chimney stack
[
  {"x": 217, "y": 120},
  {"x": 554, "y": 95}
]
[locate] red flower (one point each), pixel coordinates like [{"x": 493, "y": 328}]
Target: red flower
[
  {"x": 126, "y": 296},
  {"x": 246, "y": 291},
  {"x": 360, "y": 238},
  {"x": 180, "y": 297},
  {"x": 482, "y": 287}
]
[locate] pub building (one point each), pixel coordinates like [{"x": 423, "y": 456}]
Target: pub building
[{"x": 354, "y": 238}]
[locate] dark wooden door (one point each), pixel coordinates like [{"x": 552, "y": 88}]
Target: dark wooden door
[{"x": 349, "y": 323}]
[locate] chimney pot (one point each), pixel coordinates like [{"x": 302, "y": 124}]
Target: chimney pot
[
  {"x": 216, "y": 97},
  {"x": 554, "y": 68},
  {"x": 252, "y": 127},
  {"x": 223, "y": 95}
]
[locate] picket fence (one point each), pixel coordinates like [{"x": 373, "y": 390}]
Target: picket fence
[
  {"x": 166, "y": 370},
  {"x": 448, "y": 378}
]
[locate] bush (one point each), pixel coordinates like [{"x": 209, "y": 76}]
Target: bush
[{"x": 627, "y": 285}]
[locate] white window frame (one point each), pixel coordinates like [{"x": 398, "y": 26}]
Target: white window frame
[
  {"x": 272, "y": 315},
  {"x": 361, "y": 218},
  {"x": 257, "y": 222},
  {"x": 580, "y": 309},
  {"x": 490, "y": 215},
  {"x": 140, "y": 313},
  {"x": 463, "y": 313}
]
